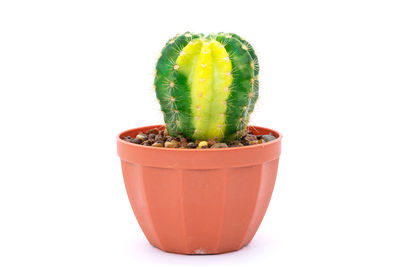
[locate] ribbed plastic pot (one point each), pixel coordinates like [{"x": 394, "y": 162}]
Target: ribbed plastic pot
[{"x": 199, "y": 201}]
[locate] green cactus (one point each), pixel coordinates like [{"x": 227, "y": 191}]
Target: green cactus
[{"x": 207, "y": 86}]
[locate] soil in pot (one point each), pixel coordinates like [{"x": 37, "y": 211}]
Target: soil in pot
[{"x": 160, "y": 138}]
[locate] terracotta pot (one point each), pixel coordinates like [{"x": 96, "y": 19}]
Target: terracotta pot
[{"x": 199, "y": 201}]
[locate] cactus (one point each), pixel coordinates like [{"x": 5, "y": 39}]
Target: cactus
[{"x": 207, "y": 86}]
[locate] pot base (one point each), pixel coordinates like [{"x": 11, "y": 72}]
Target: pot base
[{"x": 200, "y": 251}]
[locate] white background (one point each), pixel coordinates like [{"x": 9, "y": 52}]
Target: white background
[{"x": 73, "y": 74}]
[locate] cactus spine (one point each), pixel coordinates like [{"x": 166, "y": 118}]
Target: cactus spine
[{"x": 207, "y": 86}]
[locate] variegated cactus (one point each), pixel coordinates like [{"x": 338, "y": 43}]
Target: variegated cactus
[{"x": 207, "y": 86}]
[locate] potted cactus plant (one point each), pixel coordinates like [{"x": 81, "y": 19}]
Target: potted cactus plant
[{"x": 201, "y": 184}]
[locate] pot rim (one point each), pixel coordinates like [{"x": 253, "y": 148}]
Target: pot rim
[
  {"x": 175, "y": 158},
  {"x": 277, "y": 134}
]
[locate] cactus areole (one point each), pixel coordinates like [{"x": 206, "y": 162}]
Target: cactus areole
[{"x": 207, "y": 86}]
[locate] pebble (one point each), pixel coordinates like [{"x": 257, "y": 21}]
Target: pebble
[
  {"x": 153, "y": 131},
  {"x": 191, "y": 145},
  {"x": 147, "y": 143},
  {"x": 203, "y": 144},
  {"x": 158, "y": 144},
  {"x": 159, "y": 138},
  {"x": 171, "y": 144},
  {"x": 142, "y": 136},
  {"x": 268, "y": 137},
  {"x": 170, "y": 138},
  {"x": 236, "y": 145},
  {"x": 250, "y": 137},
  {"x": 219, "y": 145},
  {"x": 164, "y": 133},
  {"x": 137, "y": 140},
  {"x": 183, "y": 142},
  {"x": 211, "y": 142}
]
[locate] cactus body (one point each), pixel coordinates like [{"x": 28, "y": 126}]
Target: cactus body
[{"x": 207, "y": 86}]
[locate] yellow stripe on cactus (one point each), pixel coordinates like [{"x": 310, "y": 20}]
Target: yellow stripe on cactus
[{"x": 208, "y": 68}]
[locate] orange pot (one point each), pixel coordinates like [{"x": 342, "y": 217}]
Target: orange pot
[{"x": 199, "y": 201}]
